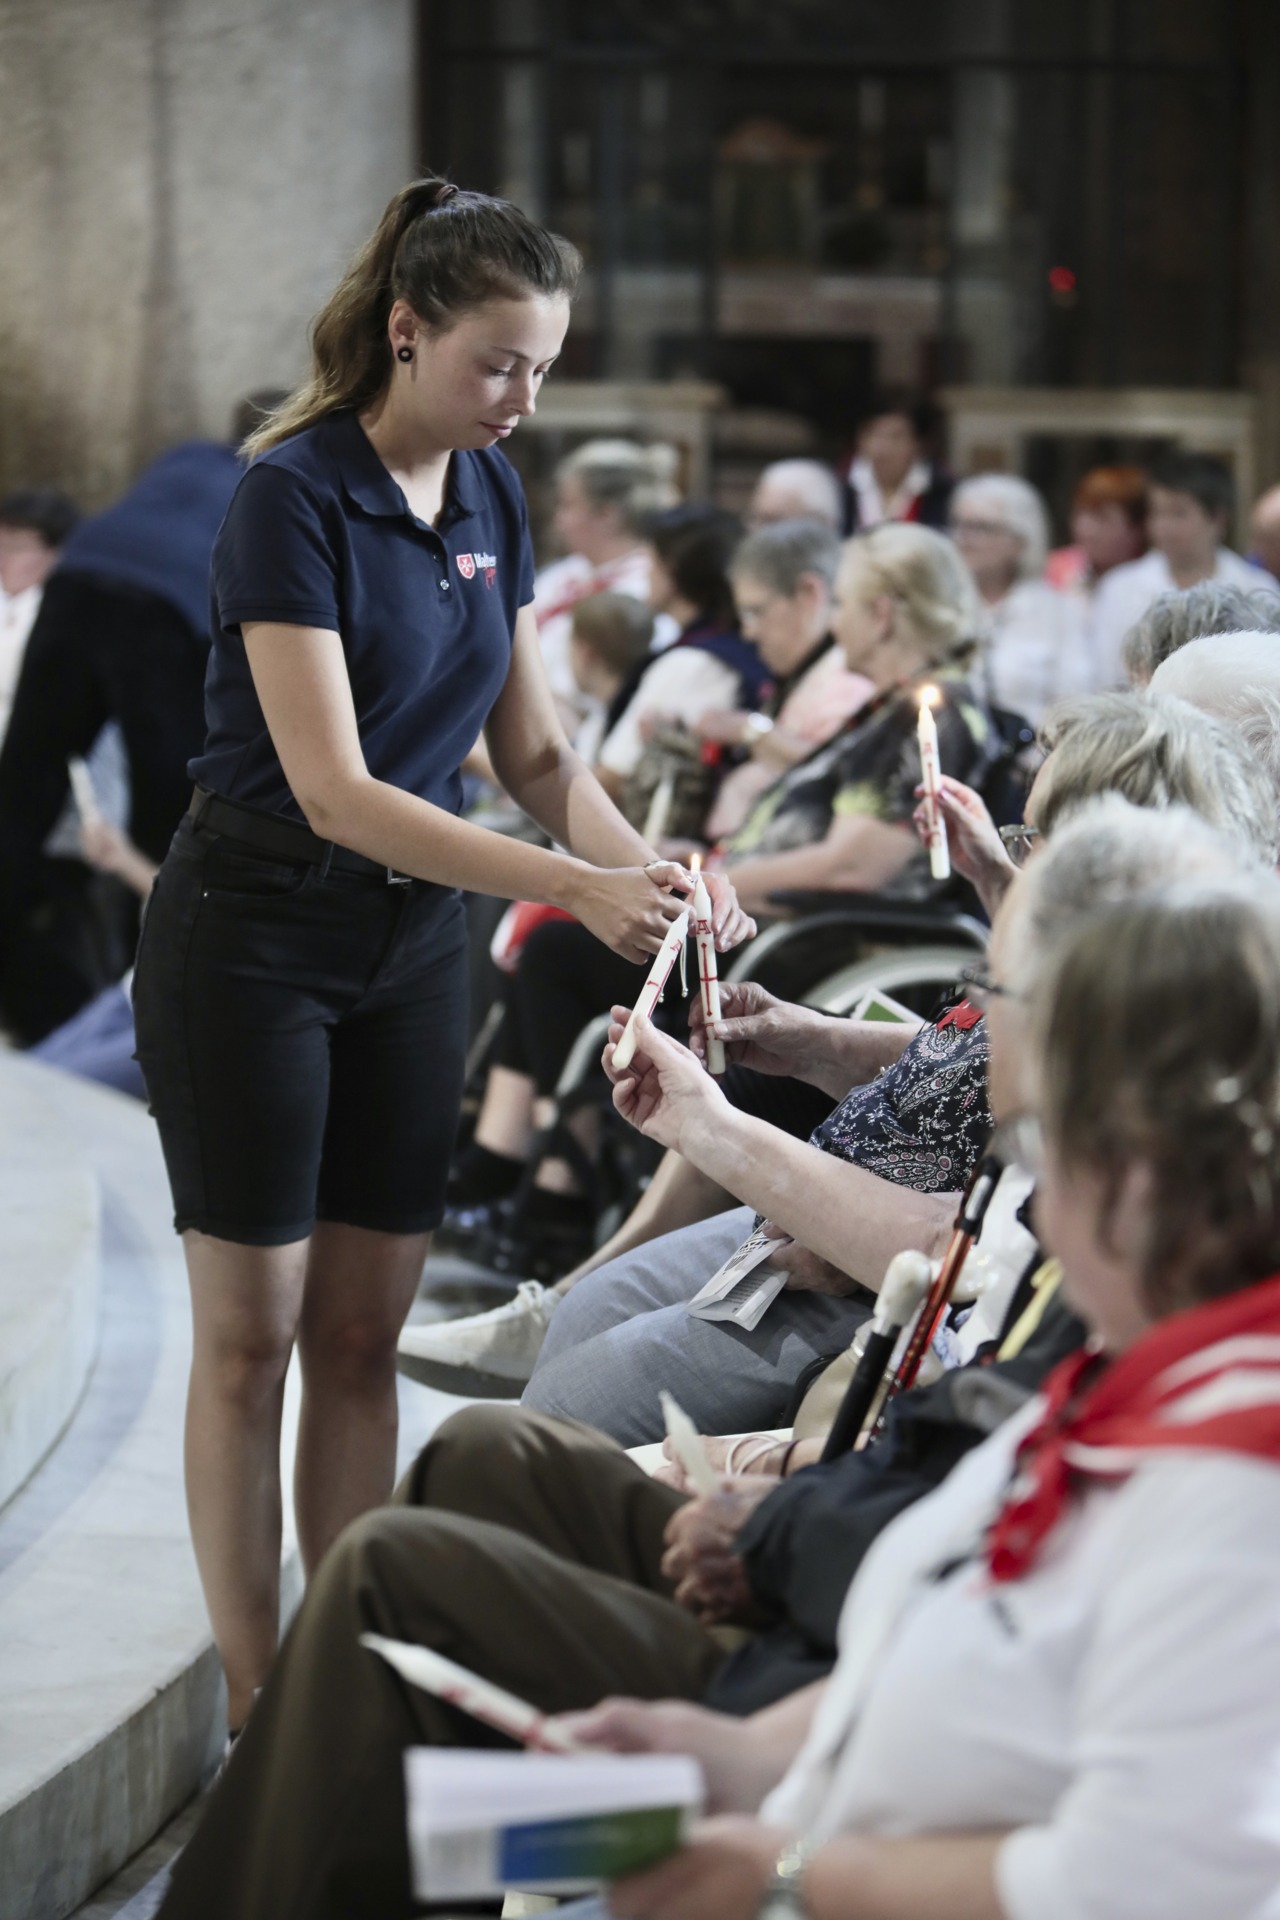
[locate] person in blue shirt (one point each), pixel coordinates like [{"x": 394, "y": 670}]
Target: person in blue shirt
[{"x": 300, "y": 984}]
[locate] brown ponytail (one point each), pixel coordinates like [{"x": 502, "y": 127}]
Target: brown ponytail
[{"x": 446, "y": 252}]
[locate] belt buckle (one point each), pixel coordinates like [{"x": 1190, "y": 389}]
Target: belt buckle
[{"x": 395, "y": 879}]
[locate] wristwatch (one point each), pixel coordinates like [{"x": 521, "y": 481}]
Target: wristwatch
[
  {"x": 757, "y": 725},
  {"x": 784, "y": 1896}
]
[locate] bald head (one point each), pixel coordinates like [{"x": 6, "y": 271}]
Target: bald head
[{"x": 1264, "y": 528}]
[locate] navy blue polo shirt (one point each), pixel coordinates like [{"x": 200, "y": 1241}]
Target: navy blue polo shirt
[{"x": 320, "y": 535}]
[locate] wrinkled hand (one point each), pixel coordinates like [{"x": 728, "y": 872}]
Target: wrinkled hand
[
  {"x": 757, "y": 1030},
  {"x": 721, "y": 1873},
  {"x": 977, "y": 851},
  {"x": 664, "y": 1093},
  {"x": 808, "y": 1272},
  {"x": 738, "y": 1771},
  {"x": 701, "y": 1561},
  {"x": 629, "y": 908}
]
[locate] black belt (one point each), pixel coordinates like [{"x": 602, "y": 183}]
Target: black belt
[{"x": 284, "y": 839}]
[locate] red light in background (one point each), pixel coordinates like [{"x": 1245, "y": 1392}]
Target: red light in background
[{"x": 1062, "y": 280}]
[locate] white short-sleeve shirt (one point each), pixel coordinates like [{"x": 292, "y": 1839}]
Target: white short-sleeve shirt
[{"x": 1118, "y": 1706}]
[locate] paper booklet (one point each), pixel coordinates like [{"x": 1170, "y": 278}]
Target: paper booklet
[
  {"x": 745, "y": 1286},
  {"x": 481, "y": 1822}
]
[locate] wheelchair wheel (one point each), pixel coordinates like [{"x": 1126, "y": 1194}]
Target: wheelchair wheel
[{"x": 917, "y": 976}]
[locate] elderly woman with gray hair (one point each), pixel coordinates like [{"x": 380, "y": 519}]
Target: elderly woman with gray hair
[
  {"x": 1184, "y": 614},
  {"x": 1151, "y": 747},
  {"x": 1035, "y": 643}
]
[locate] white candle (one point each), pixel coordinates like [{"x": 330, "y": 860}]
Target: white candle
[
  {"x": 494, "y": 1706},
  {"x": 651, "y": 991},
  {"x": 655, "y": 821},
  {"x": 939, "y": 853},
  {"x": 686, "y": 1444},
  {"x": 708, "y": 976}
]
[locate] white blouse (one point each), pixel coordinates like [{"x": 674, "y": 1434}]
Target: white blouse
[{"x": 1119, "y": 1706}]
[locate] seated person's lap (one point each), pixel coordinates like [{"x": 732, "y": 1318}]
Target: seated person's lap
[{"x": 623, "y": 1334}]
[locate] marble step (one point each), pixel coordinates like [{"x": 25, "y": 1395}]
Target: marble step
[
  {"x": 49, "y": 1237},
  {"x": 111, "y": 1705}
]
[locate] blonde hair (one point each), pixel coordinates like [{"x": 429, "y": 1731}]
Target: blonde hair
[
  {"x": 1157, "y": 752},
  {"x": 639, "y": 481},
  {"x": 929, "y": 583},
  {"x": 1157, "y": 1035},
  {"x": 444, "y": 250}
]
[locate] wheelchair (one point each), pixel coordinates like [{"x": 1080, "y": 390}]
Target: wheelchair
[{"x": 827, "y": 950}]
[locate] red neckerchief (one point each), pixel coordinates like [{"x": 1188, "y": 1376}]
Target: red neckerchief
[
  {"x": 962, "y": 1016},
  {"x": 599, "y": 580},
  {"x": 1206, "y": 1378}
]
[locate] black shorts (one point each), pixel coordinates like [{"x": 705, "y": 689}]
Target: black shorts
[{"x": 303, "y": 1040}]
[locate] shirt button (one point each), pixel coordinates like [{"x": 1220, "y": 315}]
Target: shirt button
[{"x": 444, "y": 586}]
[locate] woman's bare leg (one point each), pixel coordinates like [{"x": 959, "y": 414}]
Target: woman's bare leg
[
  {"x": 505, "y": 1121},
  {"x": 359, "y": 1287},
  {"x": 677, "y": 1196},
  {"x": 245, "y": 1304}
]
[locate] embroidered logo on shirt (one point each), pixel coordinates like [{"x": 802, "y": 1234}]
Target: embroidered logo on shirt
[{"x": 486, "y": 563}]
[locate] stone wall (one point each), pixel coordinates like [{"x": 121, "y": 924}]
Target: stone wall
[{"x": 183, "y": 181}]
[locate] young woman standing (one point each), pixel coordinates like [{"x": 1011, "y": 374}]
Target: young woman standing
[{"x": 300, "y": 986}]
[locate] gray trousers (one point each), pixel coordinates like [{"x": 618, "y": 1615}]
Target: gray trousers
[{"x": 622, "y": 1334}]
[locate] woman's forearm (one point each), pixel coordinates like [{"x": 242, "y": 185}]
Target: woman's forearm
[
  {"x": 568, "y": 802},
  {"x": 856, "y": 857},
  {"x": 944, "y": 1876},
  {"x": 848, "y": 1053},
  {"x": 411, "y": 836},
  {"x": 848, "y": 1216}
]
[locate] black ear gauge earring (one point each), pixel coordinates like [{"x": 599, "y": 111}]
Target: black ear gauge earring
[{"x": 404, "y": 353}]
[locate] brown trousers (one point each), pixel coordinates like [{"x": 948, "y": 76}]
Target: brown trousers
[{"x": 527, "y": 1549}]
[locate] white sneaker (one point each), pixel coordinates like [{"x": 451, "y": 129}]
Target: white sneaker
[{"x": 488, "y": 1354}]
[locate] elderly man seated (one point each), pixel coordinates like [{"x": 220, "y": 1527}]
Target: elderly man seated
[{"x": 533, "y": 1551}]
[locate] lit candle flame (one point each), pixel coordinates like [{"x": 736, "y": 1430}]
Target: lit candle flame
[
  {"x": 929, "y": 696},
  {"x": 695, "y": 864}
]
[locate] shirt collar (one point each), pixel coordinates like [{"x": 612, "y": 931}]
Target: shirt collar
[{"x": 367, "y": 482}]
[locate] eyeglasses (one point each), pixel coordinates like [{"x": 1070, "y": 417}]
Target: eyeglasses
[
  {"x": 983, "y": 529},
  {"x": 1019, "y": 843},
  {"x": 1018, "y": 1141},
  {"x": 980, "y": 989}
]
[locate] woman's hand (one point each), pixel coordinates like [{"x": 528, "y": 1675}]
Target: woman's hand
[
  {"x": 736, "y": 1759},
  {"x": 758, "y": 1031},
  {"x": 111, "y": 851},
  {"x": 732, "y": 926},
  {"x": 629, "y": 908},
  {"x": 727, "y": 726},
  {"x": 808, "y": 1272},
  {"x": 977, "y": 851},
  {"x": 721, "y": 1873},
  {"x": 664, "y": 1092},
  {"x": 701, "y": 1561}
]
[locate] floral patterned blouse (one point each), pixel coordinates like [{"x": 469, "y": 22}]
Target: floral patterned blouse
[
  {"x": 924, "y": 1122},
  {"x": 872, "y": 767}
]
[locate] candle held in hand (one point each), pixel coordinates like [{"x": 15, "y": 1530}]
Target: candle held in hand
[
  {"x": 708, "y": 974},
  {"x": 686, "y": 1444},
  {"x": 651, "y": 991},
  {"x": 931, "y": 770}
]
